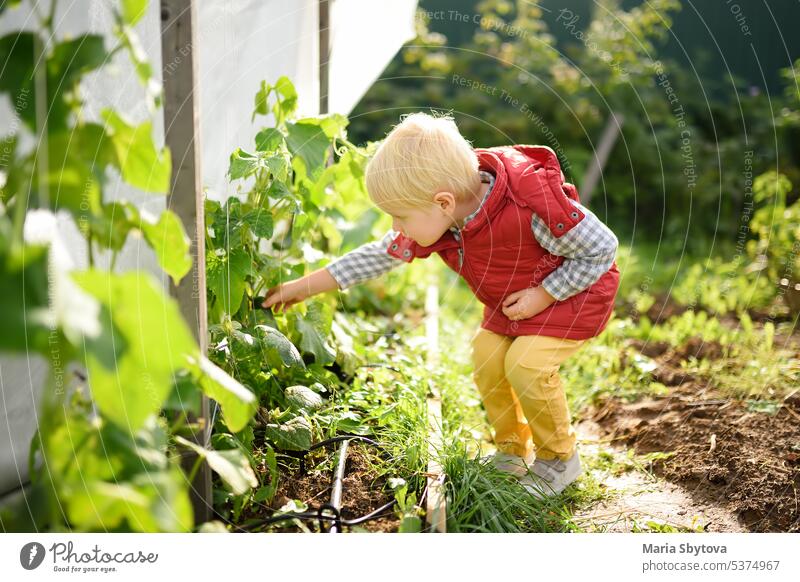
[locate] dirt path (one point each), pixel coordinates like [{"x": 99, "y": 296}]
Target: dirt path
[
  {"x": 725, "y": 454},
  {"x": 640, "y": 500}
]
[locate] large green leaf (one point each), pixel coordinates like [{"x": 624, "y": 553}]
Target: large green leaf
[
  {"x": 242, "y": 164},
  {"x": 275, "y": 341},
  {"x": 171, "y": 244},
  {"x": 24, "y": 284},
  {"x": 151, "y": 502},
  {"x": 314, "y": 329},
  {"x": 231, "y": 465},
  {"x": 260, "y": 222},
  {"x": 17, "y": 59},
  {"x": 268, "y": 139},
  {"x": 303, "y": 398},
  {"x": 307, "y": 140},
  {"x": 237, "y": 402},
  {"x": 294, "y": 435},
  {"x": 66, "y": 64},
  {"x": 140, "y": 162},
  {"x": 144, "y": 340},
  {"x": 70, "y": 182},
  {"x": 73, "y": 58},
  {"x": 226, "y": 276},
  {"x": 69, "y": 61},
  {"x": 107, "y": 476}
]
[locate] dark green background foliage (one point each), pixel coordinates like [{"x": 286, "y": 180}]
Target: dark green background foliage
[{"x": 694, "y": 100}]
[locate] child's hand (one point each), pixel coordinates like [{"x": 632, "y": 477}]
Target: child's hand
[
  {"x": 526, "y": 303},
  {"x": 286, "y": 295}
]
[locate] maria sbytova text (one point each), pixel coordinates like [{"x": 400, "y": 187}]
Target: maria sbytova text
[{"x": 692, "y": 549}]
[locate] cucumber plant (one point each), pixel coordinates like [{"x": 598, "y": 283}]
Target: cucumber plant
[{"x": 291, "y": 185}]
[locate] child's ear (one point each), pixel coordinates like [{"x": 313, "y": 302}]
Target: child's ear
[{"x": 446, "y": 200}]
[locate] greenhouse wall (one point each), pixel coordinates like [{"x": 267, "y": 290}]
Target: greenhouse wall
[{"x": 240, "y": 44}]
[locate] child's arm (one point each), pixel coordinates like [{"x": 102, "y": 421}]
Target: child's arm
[
  {"x": 589, "y": 248},
  {"x": 368, "y": 261}
]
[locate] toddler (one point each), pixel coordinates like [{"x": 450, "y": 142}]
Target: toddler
[{"x": 541, "y": 263}]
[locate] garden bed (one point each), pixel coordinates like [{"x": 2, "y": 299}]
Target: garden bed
[{"x": 364, "y": 490}]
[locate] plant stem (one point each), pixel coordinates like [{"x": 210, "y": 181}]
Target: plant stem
[
  {"x": 90, "y": 249},
  {"x": 179, "y": 422},
  {"x": 195, "y": 468}
]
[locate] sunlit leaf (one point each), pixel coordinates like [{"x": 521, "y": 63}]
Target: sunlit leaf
[
  {"x": 294, "y": 435},
  {"x": 237, "y": 402},
  {"x": 226, "y": 277},
  {"x": 272, "y": 339},
  {"x": 303, "y": 398},
  {"x": 133, "y": 10},
  {"x": 231, "y": 465},
  {"x": 314, "y": 328},
  {"x": 144, "y": 340},
  {"x": 309, "y": 141},
  {"x": 141, "y": 163},
  {"x": 171, "y": 244}
]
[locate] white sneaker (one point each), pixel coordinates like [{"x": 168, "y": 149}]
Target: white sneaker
[
  {"x": 547, "y": 478},
  {"x": 508, "y": 463}
]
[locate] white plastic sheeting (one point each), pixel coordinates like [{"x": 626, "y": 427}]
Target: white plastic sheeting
[
  {"x": 244, "y": 42},
  {"x": 240, "y": 42},
  {"x": 365, "y": 36}
]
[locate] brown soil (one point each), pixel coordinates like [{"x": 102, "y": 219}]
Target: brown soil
[
  {"x": 362, "y": 492},
  {"x": 635, "y": 499},
  {"x": 669, "y": 371},
  {"x": 747, "y": 462}
]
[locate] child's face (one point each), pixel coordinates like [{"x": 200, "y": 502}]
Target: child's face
[{"x": 424, "y": 226}]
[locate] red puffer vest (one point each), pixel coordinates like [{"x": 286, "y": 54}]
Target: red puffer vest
[{"x": 499, "y": 255}]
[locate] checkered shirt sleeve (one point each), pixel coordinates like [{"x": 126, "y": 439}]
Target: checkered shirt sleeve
[
  {"x": 368, "y": 261},
  {"x": 589, "y": 249}
]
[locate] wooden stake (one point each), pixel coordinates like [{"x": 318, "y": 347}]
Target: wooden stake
[
  {"x": 324, "y": 22},
  {"x": 436, "y": 502},
  {"x": 182, "y": 128}
]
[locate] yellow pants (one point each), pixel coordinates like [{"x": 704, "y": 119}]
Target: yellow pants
[{"x": 521, "y": 390}]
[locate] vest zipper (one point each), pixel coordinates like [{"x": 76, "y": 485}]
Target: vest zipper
[{"x": 468, "y": 275}]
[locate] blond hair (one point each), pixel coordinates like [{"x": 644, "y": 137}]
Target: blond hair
[{"x": 421, "y": 156}]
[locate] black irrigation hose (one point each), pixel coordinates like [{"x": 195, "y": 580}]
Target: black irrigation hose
[
  {"x": 319, "y": 516},
  {"x": 335, "y": 502},
  {"x": 334, "y": 505},
  {"x": 336, "y": 486}
]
